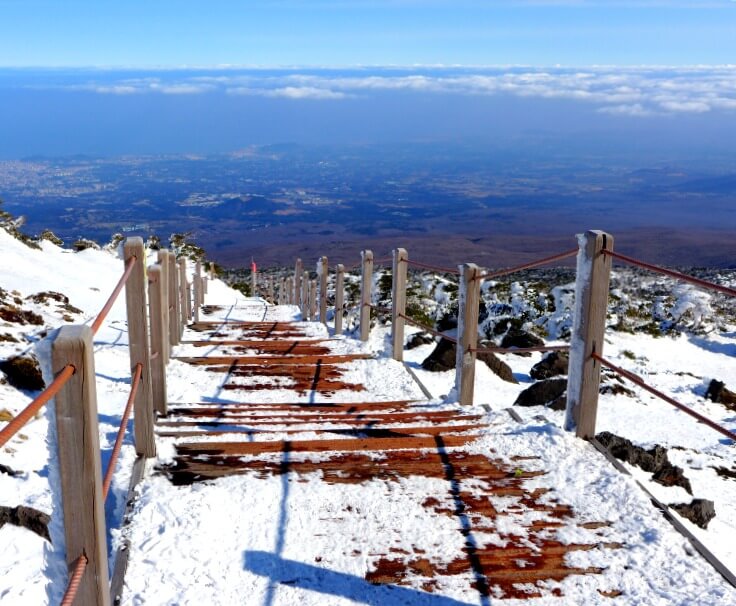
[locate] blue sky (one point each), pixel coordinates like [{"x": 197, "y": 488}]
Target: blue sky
[{"x": 378, "y": 32}]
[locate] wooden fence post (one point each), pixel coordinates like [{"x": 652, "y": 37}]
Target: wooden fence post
[
  {"x": 298, "y": 270},
  {"x": 313, "y": 301},
  {"x": 183, "y": 298},
  {"x": 589, "y": 324},
  {"x": 339, "y": 297},
  {"x": 205, "y": 281},
  {"x": 174, "y": 311},
  {"x": 135, "y": 299},
  {"x": 304, "y": 297},
  {"x": 80, "y": 466},
  {"x": 156, "y": 288},
  {"x": 366, "y": 284},
  {"x": 198, "y": 273},
  {"x": 213, "y": 272},
  {"x": 253, "y": 281},
  {"x": 163, "y": 262},
  {"x": 270, "y": 290},
  {"x": 196, "y": 294},
  {"x": 322, "y": 272},
  {"x": 398, "y": 298},
  {"x": 467, "y": 332},
  {"x": 190, "y": 299}
]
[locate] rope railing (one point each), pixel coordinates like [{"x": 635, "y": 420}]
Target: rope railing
[
  {"x": 519, "y": 349},
  {"x": 121, "y": 431},
  {"x": 640, "y": 382},
  {"x": 29, "y": 411},
  {"x": 437, "y": 268},
  {"x": 74, "y": 580},
  {"x": 672, "y": 274},
  {"x": 490, "y": 275},
  {"x": 111, "y": 300},
  {"x": 431, "y": 331}
]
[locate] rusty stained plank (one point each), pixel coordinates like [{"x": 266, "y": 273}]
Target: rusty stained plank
[
  {"x": 365, "y": 431},
  {"x": 228, "y": 361},
  {"x": 346, "y": 445},
  {"x": 258, "y": 407},
  {"x": 344, "y": 419}
]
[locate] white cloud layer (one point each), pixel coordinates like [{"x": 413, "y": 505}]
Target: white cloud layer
[{"x": 623, "y": 91}]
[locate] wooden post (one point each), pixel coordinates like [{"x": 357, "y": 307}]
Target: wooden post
[
  {"x": 339, "y": 297},
  {"x": 398, "y": 298},
  {"x": 205, "y": 281},
  {"x": 304, "y": 298},
  {"x": 163, "y": 261},
  {"x": 467, "y": 332},
  {"x": 589, "y": 324},
  {"x": 196, "y": 295},
  {"x": 190, "y": 299},
  {"x": 198, "y": 272},
  {"x": 366, "y": 284},
  {"x": 213, "y": 272},
  {"x": 313, "y": 301},
  {"x": 183, "y": 298},
  {"x": 80, "y": 465},
  {"x": 135, "y": 299},
  {"x": 253, "y": 281},
  {"x": 156, "y": 288},
  {"x": 298, "y": 270},
  {"x": 174, "y": 311},
  {"x": 322, "y": 271},
  {"x": 270, "y": 290}
]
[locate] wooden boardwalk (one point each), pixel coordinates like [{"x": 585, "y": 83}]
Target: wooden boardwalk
[{"x": 481, "y": 522}]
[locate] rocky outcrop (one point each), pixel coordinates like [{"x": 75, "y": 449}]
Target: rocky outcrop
[
  {"x": 550, "y": 393},
  {"x": 443, "y": 358},
  {"x": 653, "y": 460},
  {"x": 23, "y": 372},
  {"x": 552, "y": 365},
  {"x": 418, "y": 339},
  {"x": 516, "y": 337},
  {"x": 699, "y": 511},
  {"x": 718, "y": 393},
  {"x": 26, "y": 517}
]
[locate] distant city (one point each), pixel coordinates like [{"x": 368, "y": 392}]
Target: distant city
[{"x": 448, "y": 203}]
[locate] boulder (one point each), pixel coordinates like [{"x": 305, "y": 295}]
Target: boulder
[
  {"x": 442, "y": 357},
  {"x": 418, "y": 339},
  {"x": 497, "y": 366},
  {"x": 698, "y": 511},
  {"x": 550, "y": 392},
  {"x": 23, "y": 372},
  {"x": 26, "y": 517},
  {"x": 718, "y": 393},
  {"x": 516, "y": 337},
  {"x": 552, "y": 365}
]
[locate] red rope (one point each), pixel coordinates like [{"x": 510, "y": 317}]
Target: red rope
[
  {"x": 29, "y": 411},
  {"x": 673, "y": 274},
  {"x": 71, "y": 591},
  {"x": 444, "y": 270},
  {"x": 108, "y": 305},
  {"x": 520, "y": 349},
  {"x": 530, "y": 265},
  {"x": 428, "y": 329},
  {"x": 638, "y": 381},
  {"x": 121, "y": 431}
]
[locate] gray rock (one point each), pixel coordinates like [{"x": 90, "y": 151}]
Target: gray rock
[
  {"x": 698, "y": 511},
  {"x": 26, "y": 517},
  {"x": 548, "y": 392},
  {"x": 519, "y": 338},
  {"x": 552, "y": 365}
]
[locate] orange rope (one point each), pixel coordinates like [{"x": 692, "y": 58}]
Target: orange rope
[
  {"x": 121, "y": 431},
  {"x": 638, "y": 381},
  {"x": 111, "y": 300},
  {"x": 29, "y": 411},
  {"x": 71, "y": 591},
  {"x": 530, "y": 265},
  {"x": 673, "y": 274},
  {"x": 519, "y": 349},
  {"x": 444, "y": 270}
]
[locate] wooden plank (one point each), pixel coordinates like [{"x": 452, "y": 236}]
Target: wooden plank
[
  {"x": 397, "y": 433},
  {"x": 356, "y": 418},
  {"x": 398, "y": 297},
  {"x": 468, "y": 305},
  {"x": 366, "y": 285},
  {"x": 278, "y": 360},
  {"x": 344, "y": 445},
  {"x": 135, "y": 299},
  {"x": 80, "y": 468},
  {"x": 589, "y": 325}
]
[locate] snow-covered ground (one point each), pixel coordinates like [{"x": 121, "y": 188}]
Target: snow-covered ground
[{"x": 240, "y": 540}]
